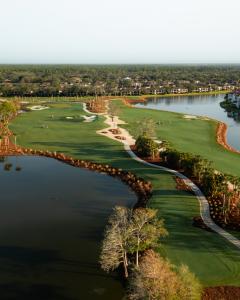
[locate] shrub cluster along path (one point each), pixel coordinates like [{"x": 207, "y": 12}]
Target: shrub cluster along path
[{"x": 128, "y": 141}]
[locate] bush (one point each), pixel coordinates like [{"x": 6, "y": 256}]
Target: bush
[
  {"x": 146, "y": 147},
  {"x": 157, "y": 278}
]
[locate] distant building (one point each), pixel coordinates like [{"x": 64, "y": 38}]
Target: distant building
[{"x": 179, "y": 91}]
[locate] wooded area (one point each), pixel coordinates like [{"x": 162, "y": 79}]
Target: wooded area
[{"x": 84, "y": 80}]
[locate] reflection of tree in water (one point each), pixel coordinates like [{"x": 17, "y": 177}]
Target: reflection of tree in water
[
  {"x": 7, "y": 166},
  {"x": 2, "y": 159},
  {"x": 18, "y": 167}
]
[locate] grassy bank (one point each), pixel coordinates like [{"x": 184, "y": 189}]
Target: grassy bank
[
  {"x": 142, "y": 97},
  {"x": 210, "y": 257},
  {"x": 197, "y": 136},
  {"x": 85, "y": 98}
]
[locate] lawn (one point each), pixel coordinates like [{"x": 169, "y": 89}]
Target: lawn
[
  {"x": 214, "y": 260},
  {"x": 188, "y": 135}
]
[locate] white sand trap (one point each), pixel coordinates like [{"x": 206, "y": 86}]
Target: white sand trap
[
  {"x": 38, "y": 107},
  {"x": 158, "y": 141},
  {"x": 189, "y": 117},
  {"x": 89, "y": 119},
  {"x": 69, "y": 118}
]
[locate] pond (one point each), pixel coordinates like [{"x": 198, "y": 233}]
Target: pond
[
  {"x": 52, "y": 218},
  {"x": 198, "y": 105}
]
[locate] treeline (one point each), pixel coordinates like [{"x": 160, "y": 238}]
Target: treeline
[
  {"x": 80, "y": 80},
  {"x": 222, "y": 190}
]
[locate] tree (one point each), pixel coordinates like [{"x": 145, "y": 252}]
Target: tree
[
  {"x": 128, "y": 232},
  {"x": 116, "y": 238},
  {"x": 157, "y": 279},
  {"x": 146, "y": 128},
  {"x": 8, "y": 110},
  {"x": 146, "y": 146},
  {"x": 113, "y": 110},
  {"x": 147, "y": 230}
]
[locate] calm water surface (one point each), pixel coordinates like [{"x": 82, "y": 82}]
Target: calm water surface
[
  {"x": 52, "y": 218},
  {"x": 199, "y": 105}
]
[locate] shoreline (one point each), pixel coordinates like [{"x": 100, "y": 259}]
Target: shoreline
[
  {"x": 143, "y": 98},
  {"x": 221, "y": 131},
  {"x": 221, "y": 136},
  {"x": 85, "y": 98},
  {"x": 141, "y": 187}
]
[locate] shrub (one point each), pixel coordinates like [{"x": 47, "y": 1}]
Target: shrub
[
  {"x": 146, "y": 147},
  {"x": 157, "y": 278}
]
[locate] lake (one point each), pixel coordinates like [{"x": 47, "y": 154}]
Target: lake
[
  {"x": 52, "y": 218},
  {"x": 198, "y": 105}
]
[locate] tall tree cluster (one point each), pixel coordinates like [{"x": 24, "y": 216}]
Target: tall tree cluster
[{"x": 128, "y": 232}]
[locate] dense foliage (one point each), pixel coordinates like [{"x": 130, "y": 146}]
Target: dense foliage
[
  {"x": 222, "y": 190},
  {"x": 146, "y": 147},
  {"x": 157, "y": 279},
  {"x": 81, "y": 80}
]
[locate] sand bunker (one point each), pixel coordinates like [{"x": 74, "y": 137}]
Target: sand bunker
[
  {"x": 89, "y": 119},
  {"x": 38, "y": 107},
  {"x": 190, "y": 117}
]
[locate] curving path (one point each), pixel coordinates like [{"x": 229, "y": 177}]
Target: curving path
[{"x": 204, "y": 206}]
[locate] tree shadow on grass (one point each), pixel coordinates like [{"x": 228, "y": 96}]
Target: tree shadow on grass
[
  {"x": 97, "y": 150},
  {"x": 183, "y": 235}
]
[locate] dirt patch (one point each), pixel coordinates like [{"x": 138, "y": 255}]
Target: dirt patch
[{"x": 221, "y": 293}]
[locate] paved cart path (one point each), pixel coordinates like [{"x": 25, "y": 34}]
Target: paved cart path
[{"x": 128, "y": 141}]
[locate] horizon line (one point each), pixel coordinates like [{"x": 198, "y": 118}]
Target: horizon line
[{"x": 117, "y": 64}]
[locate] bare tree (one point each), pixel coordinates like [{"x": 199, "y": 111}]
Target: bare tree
[
  {"x": 116, "y": 239},
  {"x": 129, "y": 232},
  {"x": 146, "y": 127},
  {"x": 113, "y": 110},
  {"x": 147, "y": 230}
]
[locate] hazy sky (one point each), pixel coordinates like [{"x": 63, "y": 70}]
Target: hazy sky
[{"x": 119, "y": 31}]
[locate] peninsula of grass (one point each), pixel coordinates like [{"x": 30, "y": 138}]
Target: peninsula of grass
[
  {"x": 144, "y": 97},
  {"x": 196, "y": 136},
  {"x": 212, "y": 258}
]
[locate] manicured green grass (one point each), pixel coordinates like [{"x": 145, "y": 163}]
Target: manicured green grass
[
  {"x": 210, "y": 257},
  {"x": 188, "y": 135}
]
